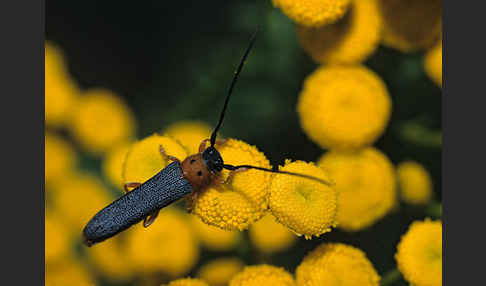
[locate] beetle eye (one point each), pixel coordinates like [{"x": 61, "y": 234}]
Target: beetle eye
[{"x": 199, "y": 173}]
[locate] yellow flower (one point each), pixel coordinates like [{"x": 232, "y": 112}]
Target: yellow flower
[
  {"x": 219, "y": 272},
  {"x": 189, "y": 134},
  {"x": 411, "y": 25},
  {"x": 336, "y": 264},
  {"x": 419, "y": 253},
  {"x": 188, "y": 282},
  {"x": 168, "y": 245},
  {"x": 415, "y": 184},
  {"x": 144, "y": 159},
  {"x": 352, "y": 39},
  {"x": 433, "y": 64},
  {"x": 215, "y": 238},
  {"x": 365, "y": 181},
  {"x": 270, "y": 236},
  {"x": 69, "y": 272},
  {"x": 113, "y": 163},
  {"x": 57, "y": 239},
  {"x": 60, "y": 157},
  {"x": 101, "y": 119},
  {"x": 244, "y": 199},
  {"x": 262, "y": 275},
  {"x": 313, "y": 13},
  {"x": 344, "y": 107},
  {"x": 61, "y": 91},
  {"x": 305, "y": 206}
]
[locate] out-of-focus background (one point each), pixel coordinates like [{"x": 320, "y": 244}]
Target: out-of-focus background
[{"x": 170, "y": 63}]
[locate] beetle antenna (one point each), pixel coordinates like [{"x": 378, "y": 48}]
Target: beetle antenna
[
  {"x": 232, "y": 168},
  {"x": 235, "y": 77}
]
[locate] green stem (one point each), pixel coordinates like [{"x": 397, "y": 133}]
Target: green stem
[
  {"x": 434, "y": 209},
  {"x": 390, "y": 277}
]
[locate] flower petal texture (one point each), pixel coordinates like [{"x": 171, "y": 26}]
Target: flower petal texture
[
  {"x": 220, "y": 271},
  {"x": 270, "y": 236},
  {"x": 414, "y": 183},
  {"x": 262, "y": 275}
]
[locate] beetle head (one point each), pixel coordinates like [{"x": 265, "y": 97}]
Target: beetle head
[{"x": 213, "y": 159}]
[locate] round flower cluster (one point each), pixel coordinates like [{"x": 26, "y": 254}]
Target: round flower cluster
[
  {"x": 220, "y": 271},
  {"x": 305, "y": 206},
  {"x": 60, "y": 157},
  {"x": 113, "y": 163},
  {"x": 415, "y": 184},
  {"x": 188, "y": 282},
  {"x": 262, "y": 275},
  {"x": 189, "y": 134},
  {"x": 433, "y": 64},
  {"x": 344, "y": 107},
  {"x": 270, "y": 236},
  {"x": 57, "y": 238},
  {"x": 215, "y": 238}
]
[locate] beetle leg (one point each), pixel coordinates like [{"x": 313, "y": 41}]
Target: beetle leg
[
  {"x": 232, "y": 173},
  {"x": 130, "y": 185},
  {"x": 148, "y": 220},
  {"x": 168, "y": 157},
  {"x": 202, "y": 146}
]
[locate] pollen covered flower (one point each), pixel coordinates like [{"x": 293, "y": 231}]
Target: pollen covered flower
[
  {"x": 344, "y": 107},
  {"x": 269, "y": 236},
  {"x": 433, "y": 64},
  {"x": 144, "y": 159},
  {"x": 113, "y": 163},
  {"x": 336, "y": 264},
  {"x": 215, "y": 238},
  {"x": 60, "y": 157},
  {"x": 188, "y": 282},
  {"x": 352, "y": 39},
  {"x": 189, "y": 134},
  {"x": 101, "y": 119},
  {"x": 244, "y": 199},
  {"x": 220, "y": 271},
  {"x": 306, "y": 206},
  {"x": 57, "y": 238},
  {"x": 419, "y": 253},
  {"x": 262, "y": 275},
  {"x": 61, "y": 91},
  {"x": 313, "y": 13},
  {"x": 168, "y": 244},
  {"x": 415, "y": 184},
  {"x": 411, "y": 25},
  {"x": 365, "y": 181}
]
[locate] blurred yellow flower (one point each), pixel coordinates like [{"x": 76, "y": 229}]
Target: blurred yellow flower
[
  {"x": 344, "y": 107},
  {"x": 215, "y": 238},
  {"x": 263, "y": 274},
  {"x": 101, "y": 119},
  {"x": 69, "y": 272},
  {"x": 60, "y": 157},
  {"x": 415, "y": 184},
  {"x": 365, "y": 181},
  {"x": 218, "y": 272},
  {"x": 189, "y": 134},
  {"x": 269, "y": 236},
  {"x": 313, "y": 13},
  {"x": 305, "y": 206},
  {"x": 188, "y": 282},
  {"x": 336, "y": 264},
  {"x": 351, "y": 39},
  {"x": 144, "y": 159},
  {"x": 61, "y": 91},
  {"x": 433, "y": 64},
  {"x": 167, "y": 245},
  {"x": 113, "y": 163},
  {"x": 58, "y": 241},
  {"x": 244, "y": 199},
  {"x": 419, "y": 253},
  {"x": 412, "y": 24}
]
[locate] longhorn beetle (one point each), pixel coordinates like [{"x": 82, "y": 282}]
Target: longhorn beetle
[{"x": 172, "y": 183}]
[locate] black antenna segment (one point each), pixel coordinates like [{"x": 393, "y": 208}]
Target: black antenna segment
[{"x": 235, "y": 77}]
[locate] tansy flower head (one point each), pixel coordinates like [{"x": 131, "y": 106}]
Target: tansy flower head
[
  {"x": 113, "y": 163},
  {"x": 313, "y": 13},
  {"x": 69, "y": 272},
  {"x": 433, "y": 64},
  {"x": 244, "y": 199},
  {"x": 168, "y": 245},
  {"x": 220, "y": 271},
  {"x": 270, "y": 236},
  {"x": 305, "y": 206},
  {"x": 262, "y": 275},
  {"x": 60, "y": 157},
  {"x": 412, "y": 24},
  {"x": 344, "y": 107},
  {"x": 349, "y": 40},
  {"x": 365, "y": 181},
  {"x": 419, "y": 253},
  {"x": 335, "y": 264},
  {"x": 101, "y": 119},
  {"x": 415, "y": 184},
  {"x": 188, "y": 282},
  {"x": 57, "y": 239},
  {"x": 189, "y": 134},
  {"x": 144, "y": 159},
  {"x": 215, "y": 238},
  {"x": 61, "y": 91}
]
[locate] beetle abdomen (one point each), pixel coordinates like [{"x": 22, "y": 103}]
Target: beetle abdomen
[{"x": 164, "y": 188}]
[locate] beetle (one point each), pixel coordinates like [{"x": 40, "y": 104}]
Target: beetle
[{"x": 175, "y": 181}]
